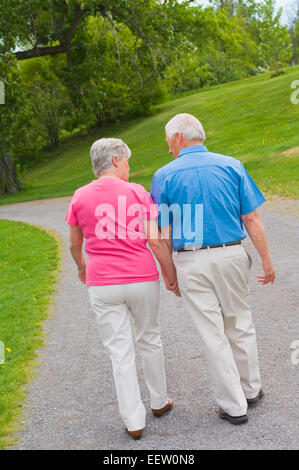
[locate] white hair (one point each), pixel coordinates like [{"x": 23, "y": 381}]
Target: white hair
[
  {"x": 187, "y": 125},
  {"x": 103, "y": 150}
]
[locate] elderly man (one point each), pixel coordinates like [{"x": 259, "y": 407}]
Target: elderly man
[{"x": 211, "y": 197}]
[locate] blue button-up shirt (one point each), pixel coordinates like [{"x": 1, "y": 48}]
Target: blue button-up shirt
[{"x": 203, "y": 195}]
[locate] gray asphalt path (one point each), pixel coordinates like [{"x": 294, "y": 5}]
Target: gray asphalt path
[{"x": 72, "y": 404}]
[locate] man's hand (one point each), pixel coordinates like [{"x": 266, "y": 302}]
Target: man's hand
[
  {"x": 269, "y": 275},
  {"x": 82, "y": 274},
  {"x": 255, "y": 230}
]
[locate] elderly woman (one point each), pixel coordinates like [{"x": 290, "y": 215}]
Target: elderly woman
[{"x": 117, "y": 219}]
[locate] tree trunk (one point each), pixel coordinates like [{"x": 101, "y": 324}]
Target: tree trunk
[{"x": 9, "y": 181}]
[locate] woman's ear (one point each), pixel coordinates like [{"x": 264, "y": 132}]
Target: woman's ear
[{"x": 115, "y": 162}]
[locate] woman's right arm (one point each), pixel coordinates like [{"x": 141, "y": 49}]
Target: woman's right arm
[
  {"x": 76, "y": 249},
  {"x": 160, "y": 248}
]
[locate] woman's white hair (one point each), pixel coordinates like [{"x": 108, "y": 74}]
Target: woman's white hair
[
  {"x": 103, "y": 150},
  {"x": 187, "y": 125}
]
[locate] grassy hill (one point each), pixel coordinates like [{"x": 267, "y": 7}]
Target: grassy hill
[{"x": 252, "y": 120}]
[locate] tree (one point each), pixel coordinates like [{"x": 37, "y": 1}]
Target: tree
[
  {"x": 228, "y": 5},
  {"x": 9, "y": 181},
  {"x": 275, "y": 46},
  {"x": 51, "y": 104},
  {"x": 41, "y": 29},
  {"x": 71, "y": 65},
  {"x": 48, "y": 27},
  {"x": 47, "y": 97},
  {"x": 296, "y": 37},
  {"x": 293, "y": 28},
  {"x": 245, "y": 8}
]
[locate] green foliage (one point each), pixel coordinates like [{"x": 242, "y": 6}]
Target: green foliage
[
  {"x": 13, "y": 96},
  {"x": 109, "y": 82},
  {"x": 275, "y": 45},
  {"x": 17, "y": 135},
  {"x": 40, "y": 111},
  {"x": 50, "y": 103},
  {"x": 252, "y": 119},
  {"x": 296, "y": 34},
  {"x": 188, "y": 74},
  {"x": 109, "y": 62}
]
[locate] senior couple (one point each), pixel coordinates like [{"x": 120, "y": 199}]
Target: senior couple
[{"x": 117, "y": 219}]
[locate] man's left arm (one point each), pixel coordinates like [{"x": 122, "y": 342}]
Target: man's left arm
[{"x": 256, "y": 231}]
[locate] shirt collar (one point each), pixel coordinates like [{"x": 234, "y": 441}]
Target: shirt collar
[{"x": 193, "y": 149}]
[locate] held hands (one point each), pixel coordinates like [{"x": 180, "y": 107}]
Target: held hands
[
  {"x": 82, "y": 274},
  {"x": 269, "y": 275},
  {"x": 173, "y": 287}
]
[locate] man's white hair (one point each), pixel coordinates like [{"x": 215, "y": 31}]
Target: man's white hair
[
  {"x": 187, "y": 125},
  {"x": 103, "y": 150}
]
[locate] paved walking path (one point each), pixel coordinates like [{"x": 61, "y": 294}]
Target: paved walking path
[{"x": 72, "y": 404}]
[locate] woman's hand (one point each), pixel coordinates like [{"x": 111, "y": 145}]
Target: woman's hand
[
  {"x": 76, "y": 245},
  {"x": 172, "y": 287},
  {"x": 162, "y": 249},
  {"x": 82, "y": 274},
  {"x": 175, "y": 289}
]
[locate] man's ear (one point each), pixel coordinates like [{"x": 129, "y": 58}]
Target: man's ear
[
  {"x": 180, "y": 137},
  {"x": 115, "y": 162}
]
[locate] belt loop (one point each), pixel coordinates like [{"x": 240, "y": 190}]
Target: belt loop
[
  {"x": 193, "y": 248},
  {"x": 208, "y": 247},
  {"x": 223, "y": 246}
]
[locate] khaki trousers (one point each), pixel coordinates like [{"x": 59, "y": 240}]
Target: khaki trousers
[
  {"x": 214, "y": 287},
  {"x": 115, "y": 307}
]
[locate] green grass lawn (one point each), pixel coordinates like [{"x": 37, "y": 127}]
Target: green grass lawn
[
  {"x": 28, "y": 267},
  {"x": 252, "y": 120}
]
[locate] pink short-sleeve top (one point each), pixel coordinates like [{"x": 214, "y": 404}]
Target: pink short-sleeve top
[{"x": 111, "y": 213}]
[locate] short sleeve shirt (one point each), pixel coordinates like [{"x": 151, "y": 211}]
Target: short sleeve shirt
[
  {"x": 111, "y": 214},
  {"x": 203, "y": 195}
]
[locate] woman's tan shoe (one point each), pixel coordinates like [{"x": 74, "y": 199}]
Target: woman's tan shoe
[
  {"x": 165, "y": 408},
  {"x": 135, "y": 434}
]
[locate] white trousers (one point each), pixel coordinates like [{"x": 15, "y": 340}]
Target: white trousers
[
  {"x": 214, "y": 287},
  {"x": 115, "y": 307}
]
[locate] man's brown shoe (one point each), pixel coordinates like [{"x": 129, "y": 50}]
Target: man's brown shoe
[
  {"x": 135, "y": 434},
  {"x": 165, "y": 408},
  {"x": 233, "y": 419},
  {"x": 252, "y": 401}
]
